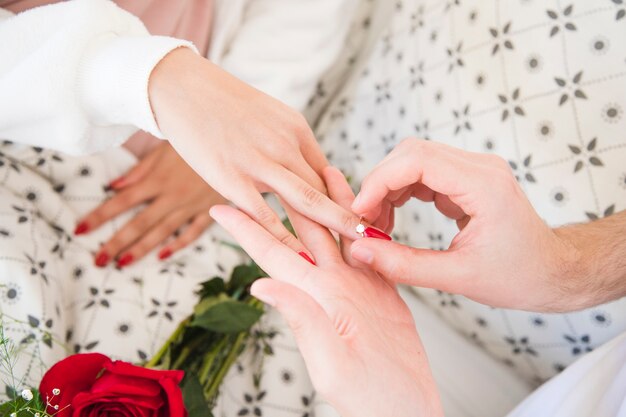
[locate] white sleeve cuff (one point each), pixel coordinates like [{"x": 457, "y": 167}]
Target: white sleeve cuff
[{"x": 113, "y": 79}]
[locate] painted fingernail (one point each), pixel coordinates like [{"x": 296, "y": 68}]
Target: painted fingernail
[
  {"x": 307, "y": 257},
  {"x": 165, "y": 253},
  {"x": 102, "y": 259},
  {"x": 81, "y": 228},
  {"x": 117, "y": 183},
  {"x": 362, "y": 254},
  {"x": 376, "y": 234},
  {"x": 125, "y": 260}
]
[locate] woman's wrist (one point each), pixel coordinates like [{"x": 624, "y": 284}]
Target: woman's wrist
[
  {"x": 189, "y": 94},
  {"x": 170, "y": 85}
]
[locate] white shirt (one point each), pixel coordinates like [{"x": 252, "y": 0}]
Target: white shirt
[{"x": 74, "y": 75}]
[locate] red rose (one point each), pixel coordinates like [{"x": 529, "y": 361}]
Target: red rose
[{"x": 92, "y": 385}]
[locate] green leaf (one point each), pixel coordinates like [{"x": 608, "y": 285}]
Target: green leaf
[
  {"x": 7, "y": 408},
  {"x": 212, "y": 287},
  {"x": 226, "y": 316},
  {"x": 18, "y": 405},
  {"x": 209, "y": 302},
  {"x": 11, "y": 393},
  {"x": 289, "y": 226},
  {"x": 193, "y": 397},
  {"x": 244, "y": 275},
  {"x": 37, "y": 401}
]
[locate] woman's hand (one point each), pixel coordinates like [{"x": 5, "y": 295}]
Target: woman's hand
[
  {"x": 356, "y": 335},
  {"x": 504, "y": 254},
  {"x": 176, "y": 196},
  {"x": 243, "y": 143}
]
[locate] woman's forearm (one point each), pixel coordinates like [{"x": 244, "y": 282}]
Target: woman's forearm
[{"x": 595, "y": 268}]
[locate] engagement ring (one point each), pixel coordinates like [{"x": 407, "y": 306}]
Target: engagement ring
[{"x": 360, "y": 228}]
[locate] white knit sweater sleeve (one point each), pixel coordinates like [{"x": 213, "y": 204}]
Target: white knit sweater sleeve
[
  {"x": 74, "y": 75},
  {"x": 283, "y": 47}
]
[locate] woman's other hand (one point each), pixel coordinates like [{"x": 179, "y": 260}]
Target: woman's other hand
[
  {"x": 356, "y": 335},
  {"x": 175, "y": 196},
  {"x": 244, "y": 143}
]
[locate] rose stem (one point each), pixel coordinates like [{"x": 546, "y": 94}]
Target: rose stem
[
  {"x": 209, "y": 358},
  {"x": 210, "y": 392},
  {"x": 154, "y": 361}
]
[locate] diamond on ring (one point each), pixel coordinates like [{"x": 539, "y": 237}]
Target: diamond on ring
[{"x": 360, "y": 228}]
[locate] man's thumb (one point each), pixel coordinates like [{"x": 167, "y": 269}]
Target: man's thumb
[{"x": 407, "y": 265}]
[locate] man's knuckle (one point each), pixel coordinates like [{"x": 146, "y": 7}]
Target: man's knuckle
[
  {"x": 499, "y": 162},
  {"x": 421, "y": 148},
  {"x": 506, "y": 183},
  {"x": 410, "y": 142},
  {"x": 299, "y": 123}
]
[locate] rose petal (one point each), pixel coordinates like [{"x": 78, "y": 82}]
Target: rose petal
[
  {"x": 134, "y": 411},
  {"x": 84, "y": 400},
  {"x": 64, "y": 376},
  {"x": 126, "y": 385},
  {"x": 125, "y": 368},
  {"x": 174, "y": 397},
  {"x": 113, "y": 409}
]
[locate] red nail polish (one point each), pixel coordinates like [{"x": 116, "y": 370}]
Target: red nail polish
[
  {"x": 125, "y": 260},
  {"x": 165, "y": 253},
  {"x": 376, "y": 234},
  {"x": 117, "y": 183},
  {"x": 81, "y": 228},
  {"x": 307, "y": 257},
  {"x": 102, "y": 259}
]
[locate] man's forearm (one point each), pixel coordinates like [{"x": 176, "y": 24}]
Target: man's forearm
[{"x": 596, "y": 270}]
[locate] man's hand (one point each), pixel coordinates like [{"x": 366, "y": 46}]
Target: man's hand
[{"x": 504, "y": 254}]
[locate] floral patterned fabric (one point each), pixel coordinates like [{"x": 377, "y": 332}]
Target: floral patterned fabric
[
  {"x": 56, "y": 302},
  {"x": 540, "y": 83}
]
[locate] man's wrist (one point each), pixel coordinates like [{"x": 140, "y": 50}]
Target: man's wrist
[
  {"x": 572, "y": 265},
  {"x": 594, "y": 262}
]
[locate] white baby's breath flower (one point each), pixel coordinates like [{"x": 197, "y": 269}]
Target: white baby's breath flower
[
  {"x": 27, "y": 394},
  {"x": 56, "y": 391},
  {"x": 37, "y": 415},
  {"x": 13, "y": 415}
]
